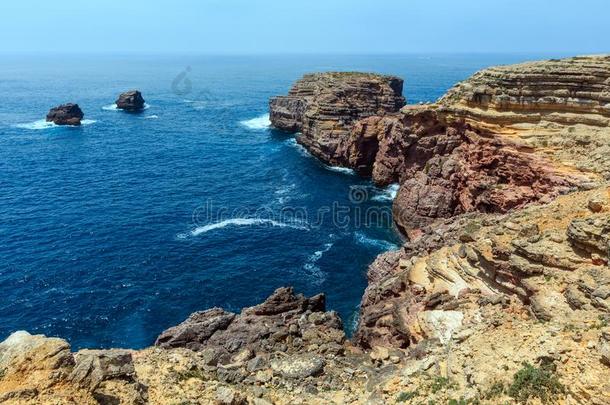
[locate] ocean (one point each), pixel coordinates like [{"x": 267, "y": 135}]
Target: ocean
[{"x": 116, "y": 230}]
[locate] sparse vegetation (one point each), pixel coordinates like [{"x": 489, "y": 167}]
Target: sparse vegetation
[
  {"x": 406, "y": 396},
  {"x": 462, "y": 401},
  {"x": 536, "y": 382},
  {"x": 441, "y": 384},
  {"x": 496, "y": 390},
  {"x": 193, "y": 373}
]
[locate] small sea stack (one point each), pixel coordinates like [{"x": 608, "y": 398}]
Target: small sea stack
[
  {"x": 66, "y": 114},
  {"x": 131, "y": 101}
]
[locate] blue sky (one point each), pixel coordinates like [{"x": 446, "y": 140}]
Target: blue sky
[{"x": 299, "y": 26}]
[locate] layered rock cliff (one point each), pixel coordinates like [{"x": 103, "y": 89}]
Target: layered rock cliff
[{"x": 324, "y": 107}]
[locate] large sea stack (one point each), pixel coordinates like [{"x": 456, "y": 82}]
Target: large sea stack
[
  {"x": 324, "y": 107},
  {"x": 131, "y": 101},
  {"x": 66, "y": 114}
]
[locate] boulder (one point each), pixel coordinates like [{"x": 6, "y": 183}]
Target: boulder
[
  {"x": 130, "y": 101},
  {"x": 94, "y": 366},
  {"x": 299, "y": 367},
  {"x": 66, "y": 114}
]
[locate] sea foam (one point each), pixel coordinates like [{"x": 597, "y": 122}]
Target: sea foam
[
  {"x": 246, "y": 222},
  {"x": 378, "y": 243},
  {"x": 114, "y": 107},
  {"x": 312, "y": 269},
  {"x": 43, "y": 124},
  {"x": 339, "y": 169},
  {"x": 292, "y": 142},
  {"x": 258, "y": 123},
  {"x": 386, "y": 194}
]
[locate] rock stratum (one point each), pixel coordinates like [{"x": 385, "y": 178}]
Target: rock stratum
[
  {"x": 324, "y": 107},
  {"x": 500, "y": 293}
]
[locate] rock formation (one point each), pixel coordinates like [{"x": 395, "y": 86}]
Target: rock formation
[
  {"x": 131, "y": 101},
  {"x": 506, "y": 137},
  {"x": 501, "y": 293},
  {"x": 65, "y": 114},
  {"x": 324, "y": 106},
  {"x": 284, "y": 322}
]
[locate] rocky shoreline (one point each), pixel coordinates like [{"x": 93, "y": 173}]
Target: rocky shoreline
[{"x": 500, "y": 294}]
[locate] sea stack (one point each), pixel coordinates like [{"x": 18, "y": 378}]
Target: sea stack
[
  {"x": 65, "y": 114},
  {"x": 325, "y": 106},
  {"x": 130, "y": 101}
]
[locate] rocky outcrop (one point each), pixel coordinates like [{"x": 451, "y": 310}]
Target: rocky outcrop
[
  {"x": 561, "y": 91},
  {"x": 131, "y": 101},
  {"x": 324, "y": 106},
  {"x": 285, "y": 322},
  {"x": 66, "y": 114},
  {"x": 35, "y": 369},
  {"x": 449, "y": 168}
]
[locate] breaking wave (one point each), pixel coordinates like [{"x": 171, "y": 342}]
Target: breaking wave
[
  {"x": 244, "y": 222},
  {"x": 292, "y": 142},
  {"x": 43, "y": 124},
  {"x": 378, "y": 243},
  {"x": 339, "y": 169},
  {"x": 114, "y": 107},
  {"x": 386, "y": 194},
  {"x": 258, "y": 123}
]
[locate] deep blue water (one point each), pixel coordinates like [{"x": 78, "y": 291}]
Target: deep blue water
[{"x": 114, "y": 231}]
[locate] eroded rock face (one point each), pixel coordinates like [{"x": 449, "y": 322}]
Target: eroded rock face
[
  {"x": 41, "y": 370},
  {"x": 285, "y": 321},
  {"x": 565, "y": 91},
  {"x": 324, "y": 106},
  {"x": 505, "y": 138},
  {"x": 527, "y": 256},
  {"x": 66, "y": 114},
  {"x": 131, "y": 101}
]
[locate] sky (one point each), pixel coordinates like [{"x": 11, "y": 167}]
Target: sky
[{"x": 299, "y": 26}]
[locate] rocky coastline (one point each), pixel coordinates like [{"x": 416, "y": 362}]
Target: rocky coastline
[{"x": 500, "y": 294}]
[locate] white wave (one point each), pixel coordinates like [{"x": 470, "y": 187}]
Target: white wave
[
  {"x": 151, "y": 117},
  {"x": 111, "y": 107},
  {"x": 114, "y": 107},
  {"x": 312, "y": 269},
  {"x": 381, "y": 244},
  {"x": 246, "y": 222},
  {"x": 339, "y": 169},
  {"x": 258, "y": 123},
  {"x": 292, "y": 142},
  {"x": 317, "y": 255},
  {"x": 285, "y": 193},
  {"x": 387, "y": 194},
  {"x": 43, "y": 124},
  {"x": 40, "y": 124}
]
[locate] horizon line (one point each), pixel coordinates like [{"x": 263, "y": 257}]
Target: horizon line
[{"x": 304, "y": 53}]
